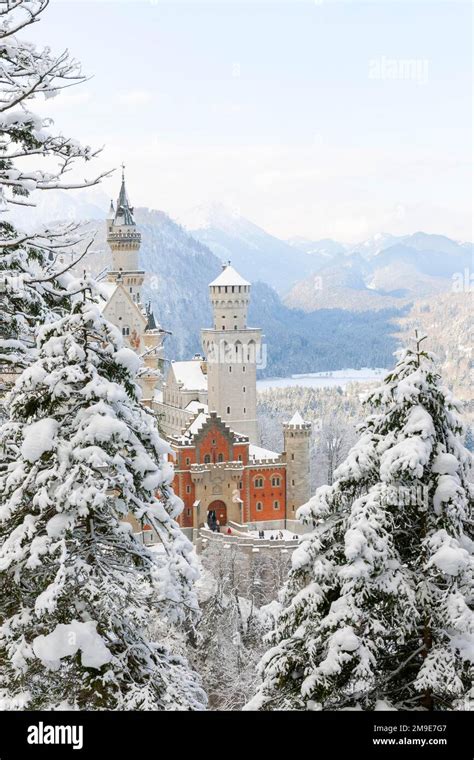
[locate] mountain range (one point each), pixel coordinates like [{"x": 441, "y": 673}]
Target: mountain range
[{"x": 322, "y": 305}]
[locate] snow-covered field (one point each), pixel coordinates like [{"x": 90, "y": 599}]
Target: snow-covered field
[{"x": 339, "y": 377}]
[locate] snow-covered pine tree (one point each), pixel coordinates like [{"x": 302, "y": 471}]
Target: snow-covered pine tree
[
  {"x": 32, "y": 157},
  {"x": 378, "y": 609},
  {"x": 77, "y": 588},
  {"x": 229, "y": 633}
]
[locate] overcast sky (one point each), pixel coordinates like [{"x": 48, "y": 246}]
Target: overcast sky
[{"x": 319, "y": 119}]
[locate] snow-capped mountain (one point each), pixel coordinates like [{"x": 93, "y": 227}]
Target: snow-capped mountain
[
  {"x": 257, "y": 254},
  {"x": 383, "y": 273}
]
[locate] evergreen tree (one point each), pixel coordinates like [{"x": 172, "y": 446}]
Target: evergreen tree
[
  {"x": 229, "y": 634},
  {"x": 378, "y": 609},
  {"x": 33, "y": 157},
  {"x": 77, "y": 588}
]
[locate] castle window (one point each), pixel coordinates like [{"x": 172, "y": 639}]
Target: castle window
[
  {"x": 223, "y": 327},
  {"x": 259, "y": 506},
  {"x": 235, "y": 327},
  {"x": 244, "y": 389},
  {"x": 276, "y": 480},
  {"x": 241, "y": 485},
  {"x": 243, "y": 369},
  {"x": 259, "y": 482},
  {"x": 131, "y": 290},
  {"x": 188, "y": 461},
  {"x": 293, "y": 457},
  {"x": 188, "y": 489},
  {"x": 276, "y": 505},
  {"x": 292, "y": 482},
  {"x": 220, "y": 458},
  {"x": 239, "y": 458},
  {"x": 207, "y": 459},
  {"x": 245, "y": 411},
  {"x": 230, "y": 369},
  {"x": 228, "y": 410}
]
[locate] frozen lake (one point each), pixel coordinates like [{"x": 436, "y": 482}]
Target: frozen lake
[{"x": 339, "y": 377}]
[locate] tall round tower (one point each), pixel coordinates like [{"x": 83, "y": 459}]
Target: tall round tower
[
  {"x": 124, "y": 240},
  {"x": 233, "y": 351},
  {"x": 297, "y": 441}
]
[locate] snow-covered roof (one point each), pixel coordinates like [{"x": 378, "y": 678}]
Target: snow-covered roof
[
  {"x": 190, "y": 374},
  {"x": 196, "y": 406},
  {"x": 195, "y": 425},
  {"x": 107, "y": 289},
  {"x": 229, "y": 276},
  {"x": 297, "y": 420},
  {"x": 257, "y": 453}
]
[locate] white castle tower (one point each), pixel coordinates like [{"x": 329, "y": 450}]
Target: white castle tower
[
  {"x": 232, "y": 350},
  {"x": 124, "y": 240},
  {"x": 297, "y": 442},
  {"x": 124, "y": 306}
]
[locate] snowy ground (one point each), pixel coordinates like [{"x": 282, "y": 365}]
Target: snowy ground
[{"x": 287, "y": 534}]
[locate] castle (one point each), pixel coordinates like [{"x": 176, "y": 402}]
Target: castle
[
  {"x": 123, "y": 306},
  {"x": 207, "y": 406}
]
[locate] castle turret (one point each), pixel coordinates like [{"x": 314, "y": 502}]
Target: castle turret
[
  {"x": 124, "y": 240},
  {"x": 232, "y": 350},
  {"x": 297, "y": 441},
  {"x": 124, "y": 307}
]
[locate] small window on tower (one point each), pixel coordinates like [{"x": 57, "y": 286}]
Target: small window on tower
[
  {"x": 243, "y": 389},
  {"x": 207, "y": 459},
  {"x": 276, "y": 505},
  {"x": 259, "y": 506},
  {"x": 230, "y": 369},
  {"x": 188, "y": 489},
  {"x": 292, "y": 457},
  {"x": 228, "y": 410},
  {"x": 243, "y": 369},
  {"x": 235, "y": 327},
  {"x": 220, "y": 458},
  {"x": 245, "y": 411}
]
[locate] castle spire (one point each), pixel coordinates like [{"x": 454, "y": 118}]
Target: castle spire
[{"x": 124, "y": 214}]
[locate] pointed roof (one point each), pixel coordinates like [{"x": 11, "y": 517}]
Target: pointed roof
[
  {"x": 151, "y": 324},
  {"x": 229, "y": 276},
  {"x": 297, "y": 420},
  {"x": 124, "y": 213}
]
